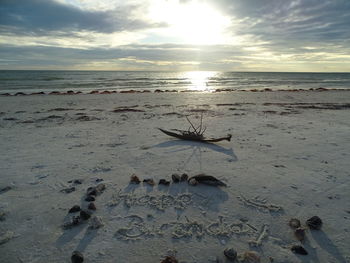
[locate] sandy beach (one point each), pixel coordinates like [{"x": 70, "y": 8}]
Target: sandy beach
[{"x": 288, "y": 158}]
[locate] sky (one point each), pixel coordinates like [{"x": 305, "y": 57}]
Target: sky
[{"x": 181, "y": 35}]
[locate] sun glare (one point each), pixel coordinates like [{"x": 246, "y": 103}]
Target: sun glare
[
  {"x": 199, "y": 79},
  {"x": 192, "y": 23}
]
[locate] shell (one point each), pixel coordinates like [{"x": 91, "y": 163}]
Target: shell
[
  {"x": 164, "y": 182},
  {"x": 134, "y": 179},
  {"x": 176, "y": 178},
  {"x": 77, "y": 257},
  {"x": 184, "y": 177},
  {"x": 314, "y": 223},
  {"x": 74, "y": 209},
  {"x": 230, "y": 253},
  {"x": 299, "y": 250},
  {"x": 192, "y": 181},
  {"x": 251, "y": 257},
  {"x": 294, "y": 223},
  {"x": 149, "y": 182}
]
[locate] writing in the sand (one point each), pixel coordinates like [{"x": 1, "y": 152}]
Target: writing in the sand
[{"x": 136, "y": 228}]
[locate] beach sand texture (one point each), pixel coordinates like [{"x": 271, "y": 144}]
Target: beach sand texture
[{"x": 288, "y": 158}]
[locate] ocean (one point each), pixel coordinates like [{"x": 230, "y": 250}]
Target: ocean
[{"x": 86, "y": 81}]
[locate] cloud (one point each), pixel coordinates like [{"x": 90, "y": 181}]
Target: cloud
[
  {"x": 298, "y": 35},
  {"x": 283, "y": 21},
  {"x": 45, "y": 17}
]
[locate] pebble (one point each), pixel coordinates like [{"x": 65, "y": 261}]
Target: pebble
[
  {"x": 77, "y": 257},
  {"x": 314, "y": 223},
  {"x": 299, "y": 250},
  {"x": 74, "y": 209},
  {"x": 176, "y": 178},
  {"x": 92, "y": 206},
  {"x": 230, "y": 253},
  {"x": 85, "y": 215}
]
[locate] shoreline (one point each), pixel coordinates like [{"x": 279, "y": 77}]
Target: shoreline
[{"x": 131, "y": 91}]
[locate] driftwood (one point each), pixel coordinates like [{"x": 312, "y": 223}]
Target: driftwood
[
  {"x": 205, "y": 179},
  {"x": 194, "y": 134}
]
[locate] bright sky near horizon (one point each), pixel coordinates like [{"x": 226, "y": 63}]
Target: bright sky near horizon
[{"x": 215, "y": 35}]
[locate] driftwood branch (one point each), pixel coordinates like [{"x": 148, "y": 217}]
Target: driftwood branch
[{"x": 197, "y": 134}]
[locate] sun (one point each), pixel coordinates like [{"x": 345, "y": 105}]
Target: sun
[{"x": 191, "y": 22}]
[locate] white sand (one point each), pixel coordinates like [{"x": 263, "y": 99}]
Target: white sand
[{"x": 278, "y": 166}]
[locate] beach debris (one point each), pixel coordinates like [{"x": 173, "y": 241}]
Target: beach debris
[
  {"x": 300, "y": 233},
  {"x": 314, "y": 223},
  {"x": 294, "y": 223},
  {"x": 149, "y": 181},
  {"x": 193, "y": 133},
  {"x": 297, "y": 249},
  {"x": 230, "y": 253},
  {"x": 98, "y": 180},
  {"x": 77, "y": 257},
  {"x": 134, "y": 179},
  {"x": 263, "y": 234},
  {"x": 164, "y": 182},
  {"x": 208, "y": 180},
  {"x": 92, "y": 206},
  {"x": 74, "y": 209},
  {"x": 5, "y": 189},
  {"x": 258, "y": 203},
  {"x": 96, "y": 222},
  {"x": 176, "y": 178},
  {"x": 251, "y": 257},
  {"x": 68, "y": 190},
  {"x": 192, "y": 181},
  {"x": 90, "y": 198},
  {"x": 169, "y": 259},
  {"x": 6, "y": 237},
  {"x": 184, "y": 177},
  {"x": 85, "y": 215}
]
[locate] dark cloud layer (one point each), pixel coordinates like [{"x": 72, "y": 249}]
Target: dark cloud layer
[
  {"x": 42, "y": 17},
  {"x": 280, "y": 21}
]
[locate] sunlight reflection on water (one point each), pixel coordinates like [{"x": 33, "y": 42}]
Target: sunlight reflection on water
[{"x": 200, "y": 80}]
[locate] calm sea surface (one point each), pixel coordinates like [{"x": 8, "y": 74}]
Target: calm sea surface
[{"x": 85, "y": 81}]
